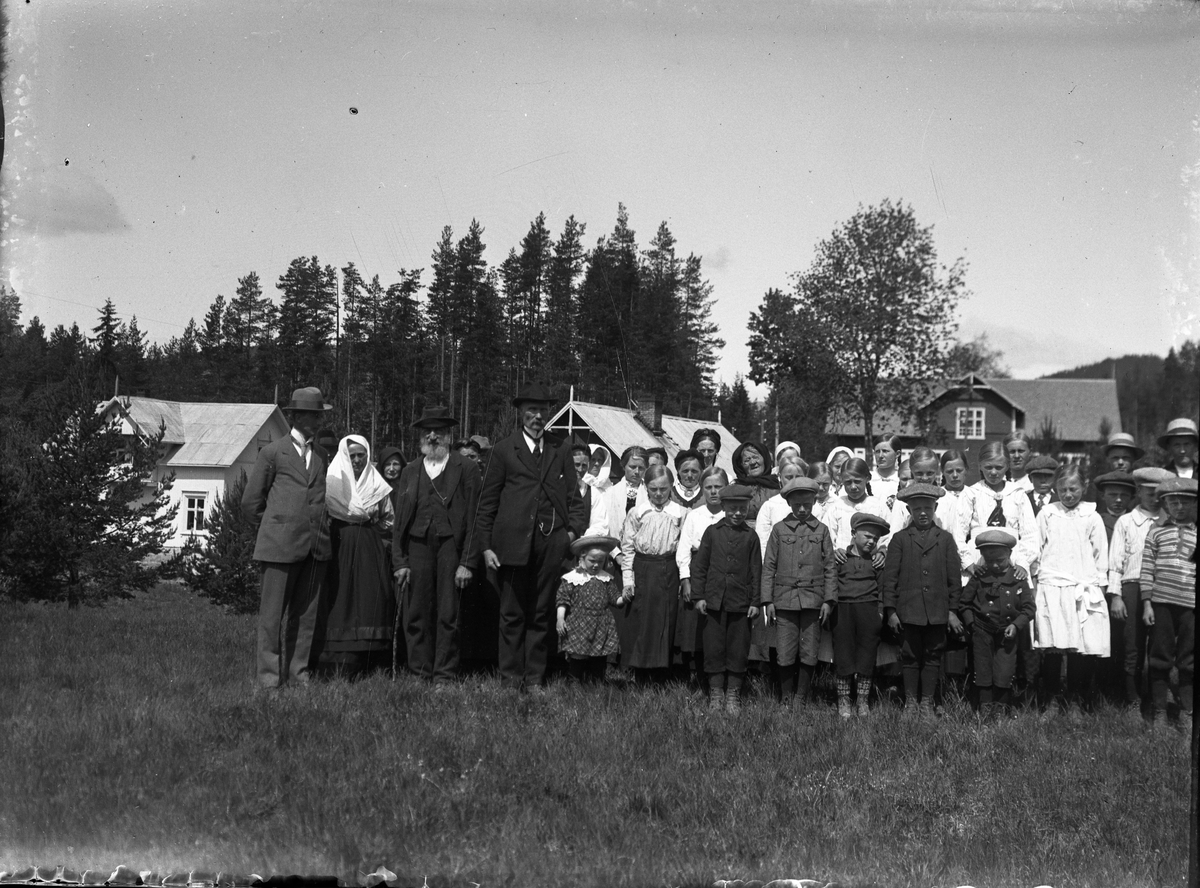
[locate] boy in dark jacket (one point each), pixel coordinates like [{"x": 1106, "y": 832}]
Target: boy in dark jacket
[
  {"x": 922, "y": 582},
  {"x": 726, "y": 571},
  {"x": 799, "y": 587},
  {"x": 857, "y": 625},
  {"x": 996, "y": 608}
]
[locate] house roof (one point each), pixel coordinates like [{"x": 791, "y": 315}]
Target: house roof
[
  {"x": 1076, "y": 406},
  {"x": 203, "y": 434},
  {"x": 618, "y": 428}
]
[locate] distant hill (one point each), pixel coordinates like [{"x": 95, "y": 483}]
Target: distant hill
[{"x": 1151, "y": 389}]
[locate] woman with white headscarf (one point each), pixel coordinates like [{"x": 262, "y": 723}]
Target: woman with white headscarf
[{"x": 359, "y": 615}]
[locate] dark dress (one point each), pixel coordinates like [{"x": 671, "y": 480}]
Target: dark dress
[
  {"x": 591, "y": 629},
  {"x": 360, "y": 607}
]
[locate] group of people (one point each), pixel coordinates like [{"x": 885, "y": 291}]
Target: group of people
[{"x": 901, "y": 575}]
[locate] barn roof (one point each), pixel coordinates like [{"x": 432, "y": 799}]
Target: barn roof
[
  {"x": 203, "y": 434},
  {"x": 618, "y": 428}
]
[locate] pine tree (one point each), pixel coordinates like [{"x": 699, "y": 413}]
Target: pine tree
[
  {"x": 90, "y": 515},
  {"x": 699, "y": 341},
  {"x": 560, "y": 352},
  {"x": 222, "y": 568},
  {"x": 107, "y": 338},
  {"x": 132, "y": 355}
]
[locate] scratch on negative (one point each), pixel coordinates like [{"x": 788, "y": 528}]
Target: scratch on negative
[{"x": 538, "y": 160}]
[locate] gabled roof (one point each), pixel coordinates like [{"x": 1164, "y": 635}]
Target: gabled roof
[
  {"x": 1076, "y": 406},
  {"x": 204, "y": 434},
  {"x": 618, "y": 428}
]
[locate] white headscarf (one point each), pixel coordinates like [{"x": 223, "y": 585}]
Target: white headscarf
[
  {"x": 349, "y": 498},
  {"x": 786, "y": 445},
  {"x": 601, "y": 481}
]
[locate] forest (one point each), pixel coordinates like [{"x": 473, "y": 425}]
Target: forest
[{"x": 618, "y": 322}]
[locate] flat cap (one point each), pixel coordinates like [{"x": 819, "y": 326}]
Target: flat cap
[
  {"x": 920, "y": 490},
  {"x": 1041, "y": 465},
  {"x": 1116, "y": 479},
  {"x": 797, "y": 486},
  {"x": 858, "y": 519},
  {"x": 1152, "y": 476},
  {"x": 995, "y": 536},
  {"x": 733, "y": 493},
  {"x": 1176, "y": 486}
]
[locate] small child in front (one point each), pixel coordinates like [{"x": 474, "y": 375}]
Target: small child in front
[
  {"x": 587, "y": 630},
  {"x": 1168, "y": 584},
  {"x": 857, "y": 627},
  {"x": 726, "y": 570},
  {"x": 996, "y": 608},
  {"x": 799, "y": 587},
  {"x": 922, "y": 583}
]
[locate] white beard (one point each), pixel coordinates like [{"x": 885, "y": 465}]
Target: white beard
[{"x": 435, "y": 452}]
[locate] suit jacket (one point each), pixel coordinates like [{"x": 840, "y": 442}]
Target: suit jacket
[
  {"x": 507, "y": 516},
  {"x": 461, "y": 482},
  {"x": 286, "y": 502},
  {"x": 922, "y": 577}
]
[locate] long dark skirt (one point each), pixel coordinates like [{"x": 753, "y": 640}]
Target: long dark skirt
[
  {"x": 655, "y": 610},
  {"x": 360, "y": 610}
]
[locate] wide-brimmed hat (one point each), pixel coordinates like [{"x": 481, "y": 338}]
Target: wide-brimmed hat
[
  {"x": 1178, "y": 428},
  {"x": 533, "y": 391},
  {"x": 1116, "y": 479},
  {"x": 858, "y": 519},
  {"x": 308, "y": 398},
  {"x": 435, "y": 418},
  {"x": 595, "y": 541},
  {"x": 920, "y": 490},
  {"x": 1123, "y": 439}
]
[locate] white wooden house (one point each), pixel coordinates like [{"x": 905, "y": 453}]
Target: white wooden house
[{"x": 205, "y": 446}]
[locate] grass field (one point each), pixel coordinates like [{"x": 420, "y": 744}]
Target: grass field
[{"x": 132, "y": 735}]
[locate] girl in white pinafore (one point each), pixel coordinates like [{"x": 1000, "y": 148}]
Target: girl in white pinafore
[{"x": 1072, "y": 612}]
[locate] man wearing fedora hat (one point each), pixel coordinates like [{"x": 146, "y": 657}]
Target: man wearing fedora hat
[
  {"x": 285, "y": 500},
  {"x": 435, "y": 502},
  {"x": 529, "y": 512},
  {"x": 1180, "y": 440}
]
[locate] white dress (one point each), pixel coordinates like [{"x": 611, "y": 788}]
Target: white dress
[
  {"x": 1019, "y": 520},
  {"x": 770, "y": 513},
  {"x": 1072, "y": 613},
  {"x": 844, "y": 509}
]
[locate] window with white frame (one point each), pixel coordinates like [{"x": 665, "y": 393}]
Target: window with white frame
[
  {"x": 970, "y": 423},
  {"x": 193, "y": 512}
]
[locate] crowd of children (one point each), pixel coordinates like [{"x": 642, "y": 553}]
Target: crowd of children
[{"x": 904, "y": 571}]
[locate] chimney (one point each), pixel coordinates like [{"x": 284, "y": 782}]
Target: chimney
[{"x": 649, "y": 411}]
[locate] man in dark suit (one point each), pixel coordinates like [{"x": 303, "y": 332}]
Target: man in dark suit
[
  {"x": 529, "y": 512},
  {"x": 435, "y": 503},
  {"x": 285, "y": 500}
]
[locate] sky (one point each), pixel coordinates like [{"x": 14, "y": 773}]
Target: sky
[{"x": 156, "y": 152}]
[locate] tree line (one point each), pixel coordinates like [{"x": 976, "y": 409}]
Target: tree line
[{"x": 619, "y": 322}]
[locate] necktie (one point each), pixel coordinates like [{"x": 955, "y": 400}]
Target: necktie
[
  {"x": 996, "y": 519},
  {"x": 1041, "y": 498},
  {"x": 537, "y": 451}
]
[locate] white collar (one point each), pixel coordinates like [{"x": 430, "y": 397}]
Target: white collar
[
  {"x": 530, "y": 441},
  {"x": 299, "y": 439}
]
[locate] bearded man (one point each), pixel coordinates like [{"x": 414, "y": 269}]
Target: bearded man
[
  {"x": 529, "y": 512},
  {"x": 432, "y": 556}
]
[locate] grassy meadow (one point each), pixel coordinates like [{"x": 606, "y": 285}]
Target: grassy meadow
[{"x": 132, "y": 734}]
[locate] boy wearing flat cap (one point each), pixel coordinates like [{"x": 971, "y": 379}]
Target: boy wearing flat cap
[
  {"x": 922, "y": 583},
  {"x": 996, "y": 608},
  {"x": 799, "y": 587},
  {"x": 859, "y": 617},
  {"x": 1168, "y": 589},
  {"x": 725, "y": 574},
  {"x": 1117, "y": 495},
  {"x": 1041, "y": 471},
  {"x": 1124, "y": 571}
]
